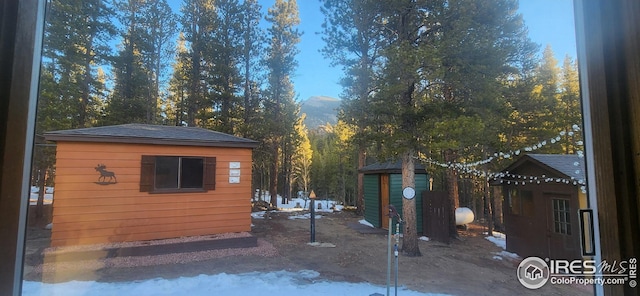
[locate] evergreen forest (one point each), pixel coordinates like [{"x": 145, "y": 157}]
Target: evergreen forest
[{"x": 456, "y": 85}]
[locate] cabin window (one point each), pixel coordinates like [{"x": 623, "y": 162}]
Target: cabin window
[
  {"x": 167, "y": 174},
  {"x": 561, "y": 221}
]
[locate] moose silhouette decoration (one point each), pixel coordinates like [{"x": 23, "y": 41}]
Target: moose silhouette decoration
[{"x": 104, "y": 174}]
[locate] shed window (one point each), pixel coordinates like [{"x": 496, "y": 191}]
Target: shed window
[
  {"x": 561, "y": 221},
  {"x": 165, "y": 174},
  {"x": 521, "y": 202}
]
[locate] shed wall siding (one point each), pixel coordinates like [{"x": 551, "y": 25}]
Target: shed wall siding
[
  {"x": 531, "y": 233},
  {"x": 88, "y": 213},
  {"x": 396, "y": 195},
  {"x": 372, "y": 199},
  {"x": 373, "y": 212}
]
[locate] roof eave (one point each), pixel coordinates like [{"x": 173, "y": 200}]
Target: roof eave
[
  {"x": 152, "y": 141},
  {"x": 526, "y": 158}
]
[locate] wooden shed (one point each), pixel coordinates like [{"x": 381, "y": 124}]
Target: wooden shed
[
  {"x": 383, "y": 185},
  {"x": 542, "y": 196},
  {"x": 142, "y": 182}
]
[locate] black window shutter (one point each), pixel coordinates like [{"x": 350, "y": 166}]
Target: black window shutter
[
  {"x": 209, "y": 173},
  {"x": 147, "y": 172}
]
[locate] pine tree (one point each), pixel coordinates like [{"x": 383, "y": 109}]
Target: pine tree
[
  {"x": 444, "y": 63},
  {"x": 568, "y": 106},
  {"x": 161, "y": 26},
  {"x": 302, "y": 156},
  {"x": 71, "y": 89},
  {"x": 281, "y": 64},
  {"x": 176, "y": 103},
  {"x": 344, "y": 149},
  {"x": 253, "y": 40},
  {"x": 397, "y": 102},
  {"x": 223, "y": 71},
  {"x": 76, "y": 40},
  {"x": 198, "y": 23},
  {"x": 53, "y": 114},
  {"x": 133, "y": 79},
  {"x": 353, "y": 41},
  {"x": 545, "y": 93}
]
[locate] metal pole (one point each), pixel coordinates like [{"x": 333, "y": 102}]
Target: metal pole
[
  {"x": 313, "y": 220},
  {"x": 389, "y": 257},
  {"x": 396, "y": 254}
]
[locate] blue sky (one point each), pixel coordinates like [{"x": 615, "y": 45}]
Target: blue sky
[{"x": 549, "y": 22}]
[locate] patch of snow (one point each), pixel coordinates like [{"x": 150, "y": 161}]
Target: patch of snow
[
  {"x": 496, "y": 257},
  {"x": 497, "y": 234},
  {"x": 322, "y": 245},
  {"x": 258, "y": 215},
  {"x": 505, "y": 254},
  {"x": 304, "y": 216},
  {"x": 365, "y": 222},
  {"x": 424, "y": 238},
  {"x": 498, "y": 241},
  {"x": 283, "y": 283},
  {"x": 33, "y": 196},
  {"x": 49, "y": 226},
  {"x": 293, "y": 204},
  {"x": 36, "y": 189}
]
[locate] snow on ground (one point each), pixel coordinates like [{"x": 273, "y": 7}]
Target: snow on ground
[
  {"x": 298, "y": 204},
  {"x": 504, "y": 254},
  {"x": 304, "y": 216},
  {"x": 48, "y": 195},
  {"x": 365, "y": 222},
  {"x": 283, "y": 283},
  {"x": 258, "y": 215},
  {"x": 498, "y": 238}
]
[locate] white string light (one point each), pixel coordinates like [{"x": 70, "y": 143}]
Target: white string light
[{"x": 468, "y": 167}]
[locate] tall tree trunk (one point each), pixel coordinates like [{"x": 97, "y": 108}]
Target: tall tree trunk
[
  {"x": 452, "y": 190},
  {"x": 273, "y": 174},
  {"x": 246, "y": 94},
  {"x": 42, "y": 174},
  {"x": 361, "y": 162},
  {"x": 410, "y": 233},
  {"x": 194, "y": 93},
  {"x": 85, "y": 88},
  {"x": 490, "y": 214},
  {"x": 286, "y": 171}
]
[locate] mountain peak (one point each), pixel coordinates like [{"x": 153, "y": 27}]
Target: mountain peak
[
  {"x": 320, "y": 110},
  {"x": 320, "y": 100}
]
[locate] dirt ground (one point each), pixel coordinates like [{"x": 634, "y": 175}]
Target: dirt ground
[{"x": 463, "y": 267}]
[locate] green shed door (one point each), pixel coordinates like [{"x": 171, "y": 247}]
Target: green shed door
[{"x": 372, "y": 199}]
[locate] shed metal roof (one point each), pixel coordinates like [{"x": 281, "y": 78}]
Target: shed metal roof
[
  {"x": 569, "y": 165},
  {"x": 135, "y": 133},
  {"x": 390, "y": 167}
]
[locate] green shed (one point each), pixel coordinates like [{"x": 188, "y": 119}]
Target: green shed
[{"x": 383, "y": 185}]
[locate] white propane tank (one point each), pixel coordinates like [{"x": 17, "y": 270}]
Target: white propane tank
[{"x": 464, "y": 216}]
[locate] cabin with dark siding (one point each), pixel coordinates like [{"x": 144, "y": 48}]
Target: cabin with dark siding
[
  {"x": 383, "y": 185},
  {"x": 136, "y": 182}
]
